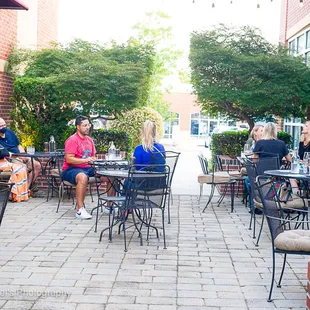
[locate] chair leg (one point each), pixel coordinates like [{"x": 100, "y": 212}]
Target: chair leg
[
  {"x": 254, "y": 222},
  {"x": 169, "y": 198},
  {"x": 201, "y": 190},
  {"x": 261, "y": 229},
  {"x": 210, "y": 197},
  {"x": 163, "y": 221},
  {"x": 91, "y": 193},
  {"x": 60, "y": 195},
  {"x": 232, "y": 194},
  {"x": 282, "y": 272},
  {"x": 251, "y": 219},
  {"x": 124, "y": 230},
  {"x": 273, "y": 274}
]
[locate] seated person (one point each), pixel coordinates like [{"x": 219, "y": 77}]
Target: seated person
[
  {"x": 18, "y": 176},
  {"x": 150, "y": 151},
  {"x": 270, "y": 146},
  {"x": 9, "y": 140},
  {"x": 79, "y": 152},
  {"x": 304, "y": 144}
]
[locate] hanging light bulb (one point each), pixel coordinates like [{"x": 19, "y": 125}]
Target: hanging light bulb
[
  {"x": 213, "y": 5},
  {"x": 257, "y": 6},
  {"x": 231, "y": 1},
  {"x": 193, "y": 1},
  {"x": 301, "y": 3}
]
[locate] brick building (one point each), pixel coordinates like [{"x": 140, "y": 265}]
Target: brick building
[
  {"x": 34, "y": 28},
  {"x": 295, "y": 33}
]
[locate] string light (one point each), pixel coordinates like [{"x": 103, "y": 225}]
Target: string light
[
  {"x": 213, "y": 5},
  {"x": 258, "y": 6},
  {"x": 301, "y": 3}
]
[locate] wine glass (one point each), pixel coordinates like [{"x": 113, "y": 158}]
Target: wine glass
[
  {"x": 306, "y": 157},
  {"x": 247, "y": 149}
]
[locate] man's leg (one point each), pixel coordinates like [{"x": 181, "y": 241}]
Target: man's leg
[{"x": 81, "y": 188}]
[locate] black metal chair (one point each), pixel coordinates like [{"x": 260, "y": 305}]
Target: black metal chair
[
  {"x": 216, "y": 178},
  {"x": 65, "y": 185},
  {"x": 171, "y": 159},
  {"x": 283, "y": 239},
  {"x": 145, "y": 190},
  {"x": 116, "y": 184},
  {"x": 5, "y": 189},
  {"x": 254, "y": 168}
]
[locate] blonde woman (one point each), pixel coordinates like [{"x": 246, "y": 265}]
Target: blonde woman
[
  {"x": 269, "y": 145},
  {"x": 304, "y": 144},
  {"x": 143, "y": 153},
  {"x": 255, "y": 135}
]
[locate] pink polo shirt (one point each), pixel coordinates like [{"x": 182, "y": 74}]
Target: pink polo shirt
[{"x": 81, "y": 147}]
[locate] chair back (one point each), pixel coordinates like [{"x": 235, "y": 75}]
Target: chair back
[
  {"x": 147, "y": 186},
  {"x": 268, "y": 196},
  {"x": 267, "y": 163},
  {"x": 169, "y": 158},
  {"x": 204, "y": 164},
  {"x": 5, "y": 189}
]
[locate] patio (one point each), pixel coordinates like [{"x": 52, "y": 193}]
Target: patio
[{"x": 51, "y": 260}]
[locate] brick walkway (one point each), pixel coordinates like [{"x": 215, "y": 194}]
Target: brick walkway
[{"x": 53, "y": 261}]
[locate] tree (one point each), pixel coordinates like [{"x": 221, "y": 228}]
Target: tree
[
  {"x": 104, "y": 80},
  {"x": 155, "y": 31},
  {"x": 236, "y": 72}
]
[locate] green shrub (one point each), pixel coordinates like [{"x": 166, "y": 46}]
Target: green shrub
[
  {"x": 131, "y": 122},
  {"x": 122, "y": 140},
  {"x": 286, "y": 137},
  {"x": 231, "y": 143}
]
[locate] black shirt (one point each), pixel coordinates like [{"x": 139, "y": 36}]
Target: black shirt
[{"x": 269, "y": 148}]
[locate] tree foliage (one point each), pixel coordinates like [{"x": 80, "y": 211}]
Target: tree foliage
[
  {"x": 104, "y": 80},
  {"x": 131, "y": 122},
  {"x": 156, "y": 31},
  {"x": 236, "y": 72}
]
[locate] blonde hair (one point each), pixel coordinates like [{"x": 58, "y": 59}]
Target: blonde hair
[
  {"x": 254, "y": 131},
  {"x": 270, "y": 132},
  {"x": 148, "y": 135},
  {"x": 303, "y": 138}
]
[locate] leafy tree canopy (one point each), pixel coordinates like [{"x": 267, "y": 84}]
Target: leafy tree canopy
[
  {"x": 236, "y": 72},
  {"x": 104, "y": 80},
  {"x": 156, "y": 30}
]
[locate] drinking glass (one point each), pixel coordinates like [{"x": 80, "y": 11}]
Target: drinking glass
[
  {"x": 247, "y": 149},
  {"x": 30, "y": 149},
  {"x": 306, "y": 157}
]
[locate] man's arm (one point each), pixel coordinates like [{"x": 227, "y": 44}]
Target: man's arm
[
  {"x": 20, "y": 148},
  {"x": 72, "y": 160}
]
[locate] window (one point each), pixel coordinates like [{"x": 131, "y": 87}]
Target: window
[
  {"x": 202, "y": 125},
  {"x": 301, "y": 44},
  {"x": 291, "y": 47},
  {"x": 170, "y": 123}
]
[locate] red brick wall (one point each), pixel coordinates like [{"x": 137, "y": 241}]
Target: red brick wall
[
  {"x": 8, "y": 37},
  {"x": 47, "y": 22},
  {"x": 291, "y": 14}
]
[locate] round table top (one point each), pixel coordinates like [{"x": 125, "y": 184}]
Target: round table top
[
  {"x": 288, "y": 174},
  {"x": 36, "y": 154},
  {"x": 123, "y": 174}
]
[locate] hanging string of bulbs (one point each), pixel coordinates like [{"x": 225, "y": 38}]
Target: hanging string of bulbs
[{"x": 301, "y": 3}]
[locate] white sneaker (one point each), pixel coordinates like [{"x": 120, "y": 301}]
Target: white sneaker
[{"x": 82, "y": 214}]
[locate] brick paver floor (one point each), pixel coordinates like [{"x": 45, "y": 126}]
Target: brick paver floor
[{"x": 51, "y": 260}]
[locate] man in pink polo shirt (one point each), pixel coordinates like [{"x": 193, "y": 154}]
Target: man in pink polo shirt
[{"x": 79, "y": 151}]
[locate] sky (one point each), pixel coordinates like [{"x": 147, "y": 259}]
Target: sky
[{"x": 103, "y": 20}]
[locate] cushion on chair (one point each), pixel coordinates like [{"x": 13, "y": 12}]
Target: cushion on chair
[
  {"x": 258, "y": 204},
  {"x": 235, "y": 174},
  {"x": 219, "y": 177},
  {"x": 295, "y": 202},
  {"x": 5, "y": 175},
  {"x": 293, "y": 240},
  {"x": 54, "y": 172}
]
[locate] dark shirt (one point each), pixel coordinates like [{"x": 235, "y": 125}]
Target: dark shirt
[
  {"x": 10, "y": 142},
  {"x": 269, "y": 148},
  {"x": 303, "y": 149}
]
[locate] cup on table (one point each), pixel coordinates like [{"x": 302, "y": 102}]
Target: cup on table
[
  {"x": 294, "y": 167},
  {"x": 30, "y": 149}
]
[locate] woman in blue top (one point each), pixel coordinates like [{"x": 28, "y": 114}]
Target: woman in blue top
[{"x": 148, "y": 152}]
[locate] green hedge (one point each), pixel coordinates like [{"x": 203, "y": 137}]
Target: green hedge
[
  {"x": 121, "y": 139},
  {"x": 232, "y": 142}
]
